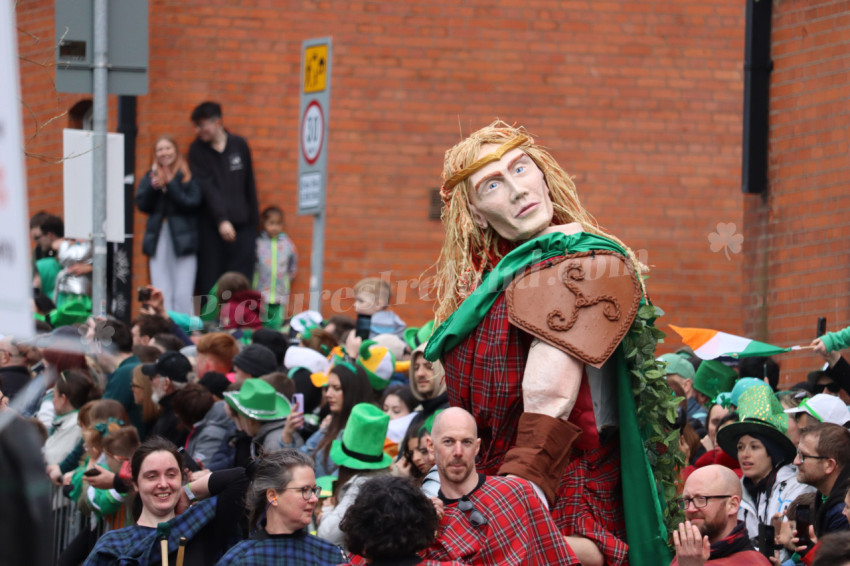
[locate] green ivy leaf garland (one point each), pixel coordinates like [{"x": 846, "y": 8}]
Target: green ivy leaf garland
[{"x": 656, "y": 408}]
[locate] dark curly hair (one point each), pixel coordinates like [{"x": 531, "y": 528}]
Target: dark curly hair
[{"x": 390, "y": 519}]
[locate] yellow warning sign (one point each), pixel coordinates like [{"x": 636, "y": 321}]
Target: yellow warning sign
[{"x": 315, "y": 68}]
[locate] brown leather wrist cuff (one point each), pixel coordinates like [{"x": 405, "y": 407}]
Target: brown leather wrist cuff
[{"x": 541, "y": 452}]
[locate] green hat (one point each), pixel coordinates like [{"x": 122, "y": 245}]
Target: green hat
[
  {"x": 327, "y": 485},
  {"x": 258, "y": 400},
  {"x": 742, "y": 385},
  {"x": 75, "y": 309},
  {"x": 761, "y": 415},
  {"x": 415, "y": 336},
  {"x": 759, "y": 402},
  {"x": 713, "y": 378},
  {"x": 678, "y": 364},
  {"x": 378, "y": 362},
  {"x": 362, "y": 444},
  {"x": 429, "y": 422}
]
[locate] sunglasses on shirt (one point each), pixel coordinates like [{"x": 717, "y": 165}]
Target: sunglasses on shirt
[{"x": 476, "y": 518}]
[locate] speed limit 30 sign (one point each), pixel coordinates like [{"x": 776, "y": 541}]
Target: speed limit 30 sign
[
  {"x": 312, "y": 132},
  {"x": 313, "y": 129}
]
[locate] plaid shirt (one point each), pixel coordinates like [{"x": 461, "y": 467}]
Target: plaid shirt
[
  {"x": 484, "y": 376},
  {"x": 518, "y": 529},
  {"x": 137, "y": 545},
  {"x": 356, "y": 560},
  {"x": 297, "y": 549}
]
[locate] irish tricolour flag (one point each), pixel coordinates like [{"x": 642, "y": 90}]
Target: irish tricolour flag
[{"x": 710, "y": 344}]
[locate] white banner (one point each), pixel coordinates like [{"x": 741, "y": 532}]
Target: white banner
[
  {"x": 78, "y": 184},
  {"x": 15, "y": 311}
]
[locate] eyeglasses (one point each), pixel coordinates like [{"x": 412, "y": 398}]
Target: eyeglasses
[
  {"x": 307, "y": 491},
  {"x": 832, "y": 387},
  {"x": 476, "y": 518},
  {"x": 803, "y": 457},
  {"x": 698, "y": 501}
]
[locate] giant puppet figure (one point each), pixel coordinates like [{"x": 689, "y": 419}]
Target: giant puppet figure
[{"x": 533, "y": 302}]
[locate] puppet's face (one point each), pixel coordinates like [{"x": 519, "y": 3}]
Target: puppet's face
[{"x": 511, "y": 196}]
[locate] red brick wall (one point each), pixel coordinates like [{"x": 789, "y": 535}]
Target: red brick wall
[
  {"x": 641, "y": 101},
  {"x": 797, "y": 267}
]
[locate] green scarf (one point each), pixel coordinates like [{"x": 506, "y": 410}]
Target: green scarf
[{"x": 645, "y": 531}]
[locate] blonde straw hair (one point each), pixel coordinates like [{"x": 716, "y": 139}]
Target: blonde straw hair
[{"x": 468, "y": 251}]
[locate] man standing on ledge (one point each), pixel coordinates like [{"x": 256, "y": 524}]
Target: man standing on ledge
[
  {"x": 533, "y": 302},
  {"x": 221, "y": 163}
]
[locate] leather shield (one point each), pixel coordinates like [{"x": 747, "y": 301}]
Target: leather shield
[{"x": 582, "y": 304}]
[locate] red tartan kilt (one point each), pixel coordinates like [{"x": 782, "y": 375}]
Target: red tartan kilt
[{"x": 589, "y": 500}]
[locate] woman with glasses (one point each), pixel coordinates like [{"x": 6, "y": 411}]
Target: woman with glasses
[
  {"x": 280, "y": 503},
  {"x": 759, "y": 443}
]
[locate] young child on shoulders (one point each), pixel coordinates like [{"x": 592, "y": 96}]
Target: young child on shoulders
[
  {"x": 277, "y": 262},
  {"x": 372, "y": 297}
]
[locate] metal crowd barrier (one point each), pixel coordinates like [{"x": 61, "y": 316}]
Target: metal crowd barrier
[{"x": 69, "y": 522}]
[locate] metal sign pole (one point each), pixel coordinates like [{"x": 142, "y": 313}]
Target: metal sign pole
[
  {"x": 99, "y": 112},
  {"x": 317, "y": 260}
]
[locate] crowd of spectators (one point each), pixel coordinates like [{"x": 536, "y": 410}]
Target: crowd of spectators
[{"x": 239, "y": 437}]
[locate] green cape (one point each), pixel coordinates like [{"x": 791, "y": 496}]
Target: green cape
[{"x": 646, "y": 534}]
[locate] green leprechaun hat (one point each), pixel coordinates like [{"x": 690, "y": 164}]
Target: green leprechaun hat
[
  {"x": 362, "y": 443},
  {"x": 258, "y": 400},
  {"x": 713, "y": 378},
  {"x": 415, "y": 336},
  {"x": 763, "y": 417}
]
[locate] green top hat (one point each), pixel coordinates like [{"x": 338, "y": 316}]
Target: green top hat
[
  {"x": 362, "y": 444},
  {"x": 713, "y": 378},
  {"x": 258, "y": 400},
  {"x": 416, "y": 336},
  {"x": 761, "y": 413}
]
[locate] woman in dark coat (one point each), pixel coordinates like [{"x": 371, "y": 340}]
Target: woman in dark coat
[{"x": 171, "y": 198}]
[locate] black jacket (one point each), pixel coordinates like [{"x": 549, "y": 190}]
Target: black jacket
[
  {"x": 13, "y": 379},
  {"x": 828, "y": 515},
  {"x": 179, "y": 204},
  {"x": 227, "y": 181}
]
